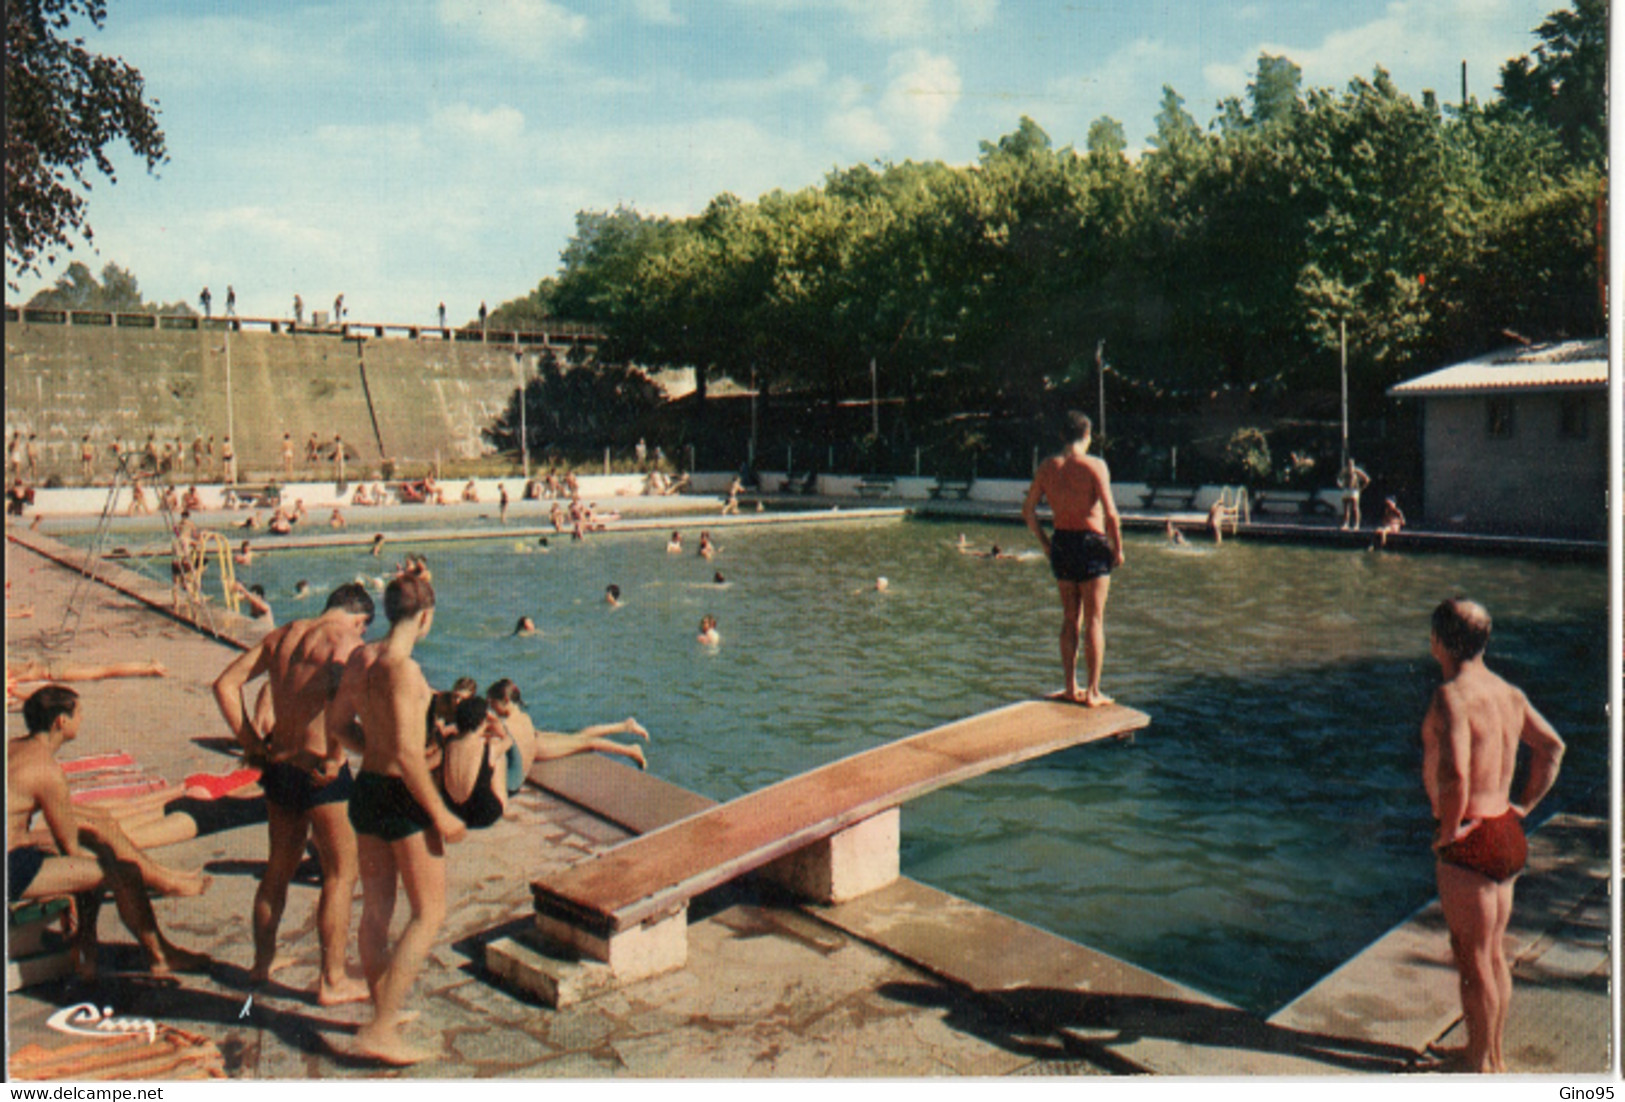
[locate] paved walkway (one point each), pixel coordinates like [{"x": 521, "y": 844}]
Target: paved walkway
[{"x": 908, "y": 982}]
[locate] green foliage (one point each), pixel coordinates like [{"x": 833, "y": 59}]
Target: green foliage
[
  {"x": 117, "y": 292},
  {"x": 64, "y": 106},
  {"x": 1231, "y": 257},
  {"x": 575, "y": 410},
  {"x": 1247, "y": 457},
  {"x": 1565, "y": 87}
]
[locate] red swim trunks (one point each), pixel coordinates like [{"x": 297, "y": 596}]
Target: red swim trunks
[{"x": 1495, "y": 848}]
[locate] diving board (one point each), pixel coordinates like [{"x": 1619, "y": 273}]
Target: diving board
[{"x": 831, "y": 834}]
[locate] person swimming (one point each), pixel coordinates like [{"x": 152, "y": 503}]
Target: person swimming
[
  {"x": 1174, "y": 536},
  {"x": 674, "y": 546},
  {"x": 612, "y": 596},
  {"x": 525, "y": 626},
  {"x": 708, "y": 636},
  {"x": 718, "y": 579}
]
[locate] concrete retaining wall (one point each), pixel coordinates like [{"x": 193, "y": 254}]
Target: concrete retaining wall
[{"x": 121, "y": 383}]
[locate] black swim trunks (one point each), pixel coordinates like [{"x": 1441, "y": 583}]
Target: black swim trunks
[
  {"x": 1076, "y": 556},
  {"x": 22, "y": 865},
  {"x": 384, "y": 808},
  {"x": 293, "y": 788}
]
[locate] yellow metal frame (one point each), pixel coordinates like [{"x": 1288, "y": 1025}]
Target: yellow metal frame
[{"x": 198, "y": 560}]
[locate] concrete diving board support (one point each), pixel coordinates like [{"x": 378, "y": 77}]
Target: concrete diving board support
[{"x": 830, "y": 834}]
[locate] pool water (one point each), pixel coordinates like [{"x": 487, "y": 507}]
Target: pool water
[{"x": 1269, "y": 823}]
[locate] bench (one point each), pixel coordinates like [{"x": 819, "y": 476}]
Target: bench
[
  {"x": 960, "y": 488},
  {"x": 1183, "y": 497},
  {"x": 1302, "y": 502},
  {"x": 876, "y": 485},
  {"x": 830, "y": 834},
  {"x": 34, "y": 952},
  {"x": 794, "y": 484}
]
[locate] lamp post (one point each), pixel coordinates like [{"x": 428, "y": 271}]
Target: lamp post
[
  {"x": 1343, "y": 359},
  {"x": 230, "y": 424},
  {"x": 524, "y": 434}
]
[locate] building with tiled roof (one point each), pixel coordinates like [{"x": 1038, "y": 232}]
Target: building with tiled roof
[{"x": 1517, "y": 441}]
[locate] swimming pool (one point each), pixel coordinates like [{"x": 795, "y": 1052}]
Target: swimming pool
[{"x": 1271, "y": 821}]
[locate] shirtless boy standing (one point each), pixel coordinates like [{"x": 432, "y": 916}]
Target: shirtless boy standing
[
  {"x": 401, "y": 821},
  {"x": 305, "y": 776},
  {"x": 1470, "y": 743},
  {"x": 35, "y": 783},
  {"x": 1086, "y": 547}
]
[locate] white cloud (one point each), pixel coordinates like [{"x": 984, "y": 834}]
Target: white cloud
[
  {"x": 658, "y": 12},
  {"x": 803, "y": 77},
  {"x": 894, "y": 20},
  {"x": 530, "y": 28},
  {"x": 859, "y": 130},
  {"x": 1422, "y": 43},
  {"x": 462, "y": 120},
  {"x": 921, "y": 95}
]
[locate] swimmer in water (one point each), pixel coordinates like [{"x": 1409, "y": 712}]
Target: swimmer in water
[
  {"x": 718, "y": 579},
  {"x": 301, "y": 589},
  {"x": 709, "y": 636},
  {"x": 612, "y": 596},
  {"x": 525, "y": 626},
  {"x": 377, "y": 545},
  {"x": 674, "y": 546},
  {"x": 707, "y": 548},
  {"x": 1175, "y": 537},
  {"x": 880, "y": 586}
]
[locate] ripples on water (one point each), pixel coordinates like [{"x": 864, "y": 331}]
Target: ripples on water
[{"x": 1269, "y": 823}]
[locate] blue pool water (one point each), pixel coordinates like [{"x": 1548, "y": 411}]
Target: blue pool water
[{"x": 1269, "y": 823}]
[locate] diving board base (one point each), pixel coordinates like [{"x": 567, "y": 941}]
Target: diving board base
[
  {"x": 848, "y": 864},
  {"x": 538, "y": 970}
]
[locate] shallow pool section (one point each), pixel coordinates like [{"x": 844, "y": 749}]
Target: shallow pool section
[{"x": 1271, "y": 821}]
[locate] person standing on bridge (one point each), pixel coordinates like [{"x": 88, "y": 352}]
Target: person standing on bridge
[
  {"x": 205, "y": 300},
  {"x": 231, "y": 301},
  {"x": 1470, "y": 739},
  {"x": 1086, "y": 547},
  {"x": 298, "y": 310},
  {"x": 442, "y": 315},
  {"x": 338, "y": 310},
  {"x": 482, "y": 319}
]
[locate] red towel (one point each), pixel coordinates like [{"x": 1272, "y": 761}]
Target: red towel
[{"x": 97, "y": 761}]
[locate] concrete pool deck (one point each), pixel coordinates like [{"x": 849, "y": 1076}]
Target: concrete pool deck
[{"x": 906, "y": 982}]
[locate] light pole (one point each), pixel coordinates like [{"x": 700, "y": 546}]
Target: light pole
[
  {"x": 230, "y": 425},
  {"x": 524, "y": 434},
  {"x": 1343, "y": 358},
  {"x": 1100, "y": 370}
]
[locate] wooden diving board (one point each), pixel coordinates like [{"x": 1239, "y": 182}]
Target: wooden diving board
[{"x": 830, "y": 833}]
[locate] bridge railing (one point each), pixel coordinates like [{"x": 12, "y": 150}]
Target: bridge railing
[{"x": 562, "y": 332}]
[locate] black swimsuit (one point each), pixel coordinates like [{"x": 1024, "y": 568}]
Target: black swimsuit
[{"x": 482, "y": 808}]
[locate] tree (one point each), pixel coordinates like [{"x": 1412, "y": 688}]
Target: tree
[
  {"x": 118, "y": 292},
  {"x": 1566, "y": 86},
  {"x": 1274, "y": 91},
  {"x": 65, "y": 106},
  {"x": 1106, "y": 137}
]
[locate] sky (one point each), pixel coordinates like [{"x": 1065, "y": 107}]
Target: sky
[{"x": 410, "y": 152}]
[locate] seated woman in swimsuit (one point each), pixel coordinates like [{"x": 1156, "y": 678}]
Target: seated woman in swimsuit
[
  {"x": 528, "y": 745},
  {"x": 474, "y": 785}
]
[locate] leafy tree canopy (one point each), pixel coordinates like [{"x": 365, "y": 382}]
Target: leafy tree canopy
[
  {"x": 117, "y": 292},
  {"x": 65, "y": 107}
]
